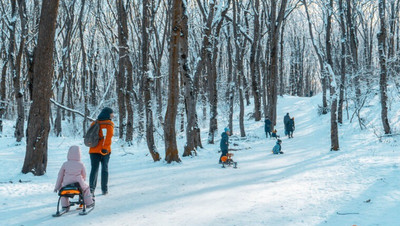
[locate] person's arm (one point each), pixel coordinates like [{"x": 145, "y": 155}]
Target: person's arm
[
  {"x": 108, "y": 138},
  {"x": 60, "y": 179}
]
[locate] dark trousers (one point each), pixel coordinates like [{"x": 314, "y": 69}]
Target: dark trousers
[
  {"x": 224, "y": 152},
  {"x": 268, "y": 133},
  {"x": 95, "y": 160}
]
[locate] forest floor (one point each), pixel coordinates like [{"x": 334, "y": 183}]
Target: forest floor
[{"x": 308, "y": 185}]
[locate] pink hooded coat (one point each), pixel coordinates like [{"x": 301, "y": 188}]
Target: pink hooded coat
[{"x": 73, "y": 171}]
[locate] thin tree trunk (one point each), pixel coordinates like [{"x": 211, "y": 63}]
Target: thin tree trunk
[
  {"x": 239, "y": 66},
  {"x": 343, "y": 62},
  {"x": 122, "y": 73},
  {"x": 353, "y": 50},
  {"x": 382, "y": 62},
  {"x": 38, "y": 122},
  {"x": 84, "y": 66},
  {"x": 275, "y": 25},
  {"x": 332, "y": 82},
  {"x": 147, "y": 83},
  {"x": 254, "y": 69}
]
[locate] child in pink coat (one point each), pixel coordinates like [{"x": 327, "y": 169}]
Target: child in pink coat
[{"x": 73, "y": 171}]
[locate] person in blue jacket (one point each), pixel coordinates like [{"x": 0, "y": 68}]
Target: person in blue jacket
[
  {"x": 267, "y": 127},
  {"x": 277, "y": 148},
  {"x": 224, "y": 142}
]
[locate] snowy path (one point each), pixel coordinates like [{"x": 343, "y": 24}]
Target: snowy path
[{"x": 308, "y": 185}]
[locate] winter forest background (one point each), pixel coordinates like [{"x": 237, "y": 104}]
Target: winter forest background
[{"x": 165, "y": 66}]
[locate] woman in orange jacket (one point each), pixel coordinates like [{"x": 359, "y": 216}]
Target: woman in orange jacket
[{"x": 101, "y": 153}]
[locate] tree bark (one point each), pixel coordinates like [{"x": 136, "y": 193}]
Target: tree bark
[
  {"x": 332, "y": 82},
  {"x": 275, "y": 25},
  {"x": 147, "y": 82},
  {"x": 38, "y": 122},
  {"x": 382, "y": 62},
  {"x": 122, "y": 72},
  {"x": 171, "y": 149},
  {"x": 343, "y": 62},
  {"x": 254, "y": 66}
]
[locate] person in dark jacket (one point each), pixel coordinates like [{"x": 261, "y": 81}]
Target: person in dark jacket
[
  {"x": 267, "y": 127},
  {"x": 101, "y": 153},
  {"x": 277, "y": 148},
  {"x": 285, "y": 121},
  {"x": 290, "y": 127},
  {"x": 224, "y": 145}
]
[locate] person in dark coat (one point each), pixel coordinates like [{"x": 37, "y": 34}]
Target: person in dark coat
[
  {"x": 277, "y": 148},
  {"x": 224, "y": 145},
  {"x": 290, "y": 127},
  {"x": 285, "y": 121},
  {"x": 267, "y": 127}
]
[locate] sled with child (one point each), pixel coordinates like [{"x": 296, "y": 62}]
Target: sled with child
[{"x": 228, "y": 161}]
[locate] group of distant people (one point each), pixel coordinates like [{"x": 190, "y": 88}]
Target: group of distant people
[
  {"x": 288, "y": 123},
  {"x": 289, "y": 129},
  {"x": 277, "y": 149}
]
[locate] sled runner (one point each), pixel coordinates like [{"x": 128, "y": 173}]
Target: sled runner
[
  {"x": 228, "y": 161},
  {"x": 69, "y": 191}
]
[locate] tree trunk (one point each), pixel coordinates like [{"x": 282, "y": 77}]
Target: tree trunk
[
  {"x": 84, "y": 65},
  {"x": 254, "y": 68},
  {"x": 332, "y": 82},
  {"x": 3, "y": 100},
  {"x": 171, "y": 149},
  {"x": 275, "y": 25},
  {"x": 343, "y": 62},
  {"x": 382, "y": 62},
  {"x": 38, "y": 122},
  {"x": 122, "y": 72},
  {"x": 147, "y": 83},
  {"x": 353, "y": 50},
  {"x": 239, "y": 65},
  {"x": 190, "y": 100}
]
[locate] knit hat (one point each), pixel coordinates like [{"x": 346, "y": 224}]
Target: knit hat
[
  {"x": 105, "y": 114},
  {"x": 227, "y": 129}
]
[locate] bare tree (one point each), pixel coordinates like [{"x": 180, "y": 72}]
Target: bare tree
[
  {"x": 38, "y": 122},
  {"x": 276, "y": 17},
  {"x": 382, "y": 62},
  {"x": 147, "y": 79},
  {"x": 171, "y": 149},
  {"x": 254, "y": 64}
]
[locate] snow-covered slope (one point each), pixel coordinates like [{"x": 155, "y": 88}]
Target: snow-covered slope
[{"x": 308, "y": 185}]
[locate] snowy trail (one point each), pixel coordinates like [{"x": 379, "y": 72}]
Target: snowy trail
[{"x": 308, "y": 185}]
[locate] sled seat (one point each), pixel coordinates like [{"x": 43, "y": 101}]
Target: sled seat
[{"x": 70, "y": 190}]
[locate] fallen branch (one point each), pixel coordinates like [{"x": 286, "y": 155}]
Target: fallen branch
[{"x": 70, "y": 109}]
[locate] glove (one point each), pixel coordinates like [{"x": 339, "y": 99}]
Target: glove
[{"x": 104, "y": 151}]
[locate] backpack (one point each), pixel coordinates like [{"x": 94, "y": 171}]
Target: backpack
[{"x": 91, "y": 138}]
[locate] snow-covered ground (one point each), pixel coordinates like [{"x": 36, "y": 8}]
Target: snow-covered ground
[{"x": 308, "y": 185}]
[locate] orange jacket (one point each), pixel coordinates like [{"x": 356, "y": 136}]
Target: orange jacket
[{"x": 104, "y": 143}]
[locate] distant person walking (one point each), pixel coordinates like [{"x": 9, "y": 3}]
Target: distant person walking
[
  {"x": 224, "y": 145},
  {"x": 267, "y": 127},
  {"x": 290, "y": 127},
  {"x": 100, "y": 154},
  {"x": 285, "y": 121}
]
